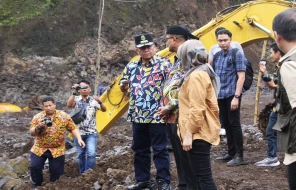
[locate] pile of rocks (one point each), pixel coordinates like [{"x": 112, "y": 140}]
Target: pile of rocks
[
  {"x": 12, "y": 171},
  {"x": 252, "y": 134}
]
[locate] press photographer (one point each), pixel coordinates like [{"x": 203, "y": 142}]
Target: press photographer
[
  {"x": 49, "y": 128},
  {"x": 271, "y": 80},
  {"x": 84, "y": 115}
]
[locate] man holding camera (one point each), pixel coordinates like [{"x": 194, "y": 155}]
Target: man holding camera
[
  {"x": 87, "y": 127},
  {"x": 49, "y": 128},
  {"x": 271, "y": 135}
]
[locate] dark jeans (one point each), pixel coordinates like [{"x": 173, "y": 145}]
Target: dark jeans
[
  {"x": 199, "y": 159},
  {"x": 291, "y": 171},
  {"x": 56, "y": 167},
  {"x": 230, "y": 121},
  {"x": 186, "y": 178},
  {"x": 146, "y": 135},
  {"x": 271, "y": 136}
]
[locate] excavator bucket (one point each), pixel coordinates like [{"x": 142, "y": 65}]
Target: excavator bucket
[{"x": 7, "y": 107}]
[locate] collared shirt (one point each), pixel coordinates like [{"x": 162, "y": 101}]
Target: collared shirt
[
  {"x": 146, "y": 88},
  {"x": 53, "y": 139},
  {"x": 171, "y": 91},
  {"x": 227, "y": 71},
  {"x": 288, "y": 77},
  {"x": 215, "y": 49},
  {"x": 88, "y": 125}
]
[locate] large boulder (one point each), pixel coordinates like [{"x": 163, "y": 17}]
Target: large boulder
[
  {"x": 19, "y": 164},
  {"x": 8, "y": 183},
  {"x": 7, "y": 170}
]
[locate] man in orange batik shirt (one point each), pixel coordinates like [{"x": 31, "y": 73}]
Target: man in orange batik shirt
[{"x": 49, "y": 128}]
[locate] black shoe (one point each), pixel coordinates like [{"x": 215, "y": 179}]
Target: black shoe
[
  {"x": 163, "y": 185},
  {"x": 142, "y": 185},
  {"x": 236, "y": 161},
  {"x": 225, "y": 158}
]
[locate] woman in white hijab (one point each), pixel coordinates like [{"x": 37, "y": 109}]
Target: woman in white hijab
[{"x": 199, "y": 126}]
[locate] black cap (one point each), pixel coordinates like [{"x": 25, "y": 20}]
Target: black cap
[
  {"x": 144, "y": 40},
  {"x": 181, "y": 30}
]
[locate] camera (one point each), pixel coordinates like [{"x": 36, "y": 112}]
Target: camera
[
  {"x": 47, "y": 121},
  {"x": 269, "y": 77},
  {"x": 77, "y": 88}
]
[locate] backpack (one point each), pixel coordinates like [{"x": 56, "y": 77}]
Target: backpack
[
  {"x": 79, "y": 114},
  {"x": 249, "y": 70}
]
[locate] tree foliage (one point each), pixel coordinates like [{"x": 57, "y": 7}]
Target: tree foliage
[{"x": 14, "y": 11}]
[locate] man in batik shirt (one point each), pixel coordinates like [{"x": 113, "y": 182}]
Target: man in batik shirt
[
  {"x": 49, "y": 128},
  {"x": 145, "y": 78}
]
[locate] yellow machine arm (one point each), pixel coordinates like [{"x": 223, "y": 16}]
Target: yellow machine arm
[{"x": 249, "y": 23}]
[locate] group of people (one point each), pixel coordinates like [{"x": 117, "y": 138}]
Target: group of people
[
  {"x": 187, "y": 102},
  {"x": 193, "y": 98},
  {"x": 183, "y": 101}
]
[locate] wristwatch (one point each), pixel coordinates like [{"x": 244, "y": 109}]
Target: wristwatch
[{"x": 237, "y": 96}]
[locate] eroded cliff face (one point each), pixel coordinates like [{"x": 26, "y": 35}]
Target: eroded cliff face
[{"x": 46, "y": 54}]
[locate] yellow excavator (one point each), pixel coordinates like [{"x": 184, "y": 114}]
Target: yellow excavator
[
  {"x": 249, "y": 23},
  {"x": 7, "y": 107}
]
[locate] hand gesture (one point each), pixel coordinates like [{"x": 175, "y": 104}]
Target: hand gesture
[
  {"x": 187, "y": 142},
  {"x": 75, "y": 87},
  {"x": 124, "y": 85},
  {"x": 163, "y": 112},
  {"x": 262, "y": 67},
  {"x": 81, "y": 143},
  {"x": 234, "y": 104},
  {"x": 97, "y": 98},
  {"x": 42, "y": 126}
]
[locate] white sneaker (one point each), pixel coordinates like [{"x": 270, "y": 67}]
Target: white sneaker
[
  {"x": 268, "y": 162},
  {"x": 222, "y": 132}
]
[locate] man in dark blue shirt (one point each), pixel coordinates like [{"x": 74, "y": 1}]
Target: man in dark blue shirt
[{"x": 232, "y": 77}]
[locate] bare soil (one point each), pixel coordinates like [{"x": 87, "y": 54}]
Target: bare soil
[{"x": 14, "y": 129}]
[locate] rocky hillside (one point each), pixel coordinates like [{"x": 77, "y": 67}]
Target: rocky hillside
[{"x": 45, "y": 46}]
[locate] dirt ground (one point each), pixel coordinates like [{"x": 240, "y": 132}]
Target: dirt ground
[{"x": 114, "y": 170}]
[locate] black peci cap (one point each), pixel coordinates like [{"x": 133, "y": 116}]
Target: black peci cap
[
  {"x": 181, "y": 30},
  {"x": 144, "y": 40}
]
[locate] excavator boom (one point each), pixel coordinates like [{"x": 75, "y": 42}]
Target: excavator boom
[{"x": 249, "y": 23}]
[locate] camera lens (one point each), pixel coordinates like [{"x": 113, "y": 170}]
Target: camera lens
[
  {"x": 267, "y": 77},
  {"x": 48, "y": 122}
]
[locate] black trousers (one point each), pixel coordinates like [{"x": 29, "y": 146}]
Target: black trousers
[
  {"x": 186, "y": 178},
  {"x": 56, "y": 167},
  {"x": 146, "y": 135},
  {"x": 200, "y": 162},
  {"x": 230, "y": 121},
  {"x": 291, "y": 172}
]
